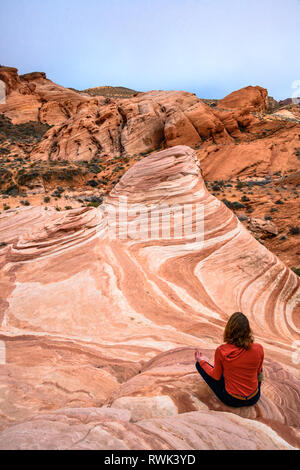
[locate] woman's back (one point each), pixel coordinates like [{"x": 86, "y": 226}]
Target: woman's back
[
  {"x": 241, "y": 367},
  {"x": 238, "y": 362}
]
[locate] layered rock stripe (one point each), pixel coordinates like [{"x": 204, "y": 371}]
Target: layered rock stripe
[{"x": 84, "y": 315}]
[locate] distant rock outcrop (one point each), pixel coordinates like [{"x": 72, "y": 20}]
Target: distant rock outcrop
[
  {"x": 238, "y": 135},
  {"x": 131, "y": 126},
  {"x": 32, "y": 97},
  {"x": 255, "y": 98},
  {"x": 9, "y": 75},
  {"x": 95, "y": 126}
]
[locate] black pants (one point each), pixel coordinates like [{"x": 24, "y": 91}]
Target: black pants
[{"x": 218, "y": 387}]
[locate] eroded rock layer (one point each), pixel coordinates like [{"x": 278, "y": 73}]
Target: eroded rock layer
[
  {"x": 86, "y": 127},
  {"x": 104, "y": 307}
]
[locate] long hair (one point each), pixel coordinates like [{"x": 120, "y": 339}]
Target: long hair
[{"x": 238, "y": 331}]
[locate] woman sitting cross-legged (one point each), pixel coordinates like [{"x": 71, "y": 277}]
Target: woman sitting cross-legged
[{"x": 237, "y": 372}]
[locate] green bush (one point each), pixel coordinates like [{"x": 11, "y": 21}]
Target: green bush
[
  {"x": 239, "y": 185},
  {"x": 233, "y": 204},
  {"x": 296, "y": 270},
  {"x": 94, "y": 204}
]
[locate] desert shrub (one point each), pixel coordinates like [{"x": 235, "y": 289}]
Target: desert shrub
[
  {"x": 25, "y": 178},
  {"x": 241, "y": 127},
  {"x": 95, "y": 169},
  {"x": 294, "y": 230},
  {"x": 47, "y": 199},
  {"x": 94, "y": 204},
  {"x": 31, "y": 130},
  {"x": 5, "y": 176},
  {"x": 68, "y": 173},
  {"x": 92, "y": 183},
  {"x": 233, "y": 204},
  {"x": 94, "y": 199},
  {"x": 12, "y": 190},
  {"x": 58, "y": 192},
  {"x": 239, "y": 185},
  {"x": 296, "y": 270}
]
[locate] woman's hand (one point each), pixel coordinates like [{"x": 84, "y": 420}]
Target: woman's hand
[
  {"x": 260, "y": 376},
  {"x": 200, "y": 357}
]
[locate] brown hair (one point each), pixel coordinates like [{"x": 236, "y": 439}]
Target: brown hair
[{"x": 238, "y": 332}]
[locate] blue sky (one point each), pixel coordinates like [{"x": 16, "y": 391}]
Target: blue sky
[{"x": 207, "y": 47}]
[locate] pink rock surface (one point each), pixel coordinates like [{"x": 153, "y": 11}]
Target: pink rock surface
[
  {"x": 170, "y": 382},
  {"x": 82, "y": 313},
  {"x": 98, "y": 429}
]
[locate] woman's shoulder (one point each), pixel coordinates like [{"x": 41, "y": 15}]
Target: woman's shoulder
[{"x": 257, "y": 347}]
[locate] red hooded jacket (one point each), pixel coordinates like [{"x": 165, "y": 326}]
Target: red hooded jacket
[{"x": 239, "y": 367}]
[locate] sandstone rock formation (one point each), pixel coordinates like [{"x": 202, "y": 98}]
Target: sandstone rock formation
[
  {"x": 159, "y": 119},
  {"x": 264, "y": 227},
  {"x": 9, "y": 75},
  {"x": 252, "y": 97},
  {"x": 235, "y": 137},
  {"x": 86, "y": 127},
  {"x": 137, "y": 125},
  {"x": 274, "y": 150},
  {"x": 99, "y": 322},
  {"x": 32, "y": 97}
]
